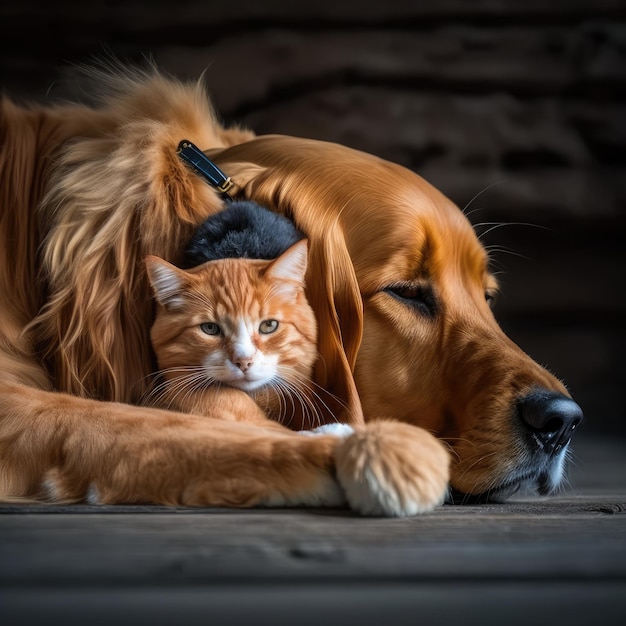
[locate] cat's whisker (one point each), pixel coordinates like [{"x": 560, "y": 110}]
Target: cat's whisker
[
  {"x": 306, "y": 412},
  {"x": 175, "y": 389},
  {"x": 172, "y": 389},
  {"x": 310, "y": 411},
  {"x": 308, "y": 381},
  {"x": 263, "y": 400},
  {"x": 311, "y": 386},
  {"x": 193, "y": 386},
  {"x": 284, "y": 396},
  {"x": 159, "y": 381},
  {"x": 287, "y": 398}
]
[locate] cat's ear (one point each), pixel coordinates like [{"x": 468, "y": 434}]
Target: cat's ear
[
  {"x": 290, "y": 265},
  {"x": 167, "y": 282}
]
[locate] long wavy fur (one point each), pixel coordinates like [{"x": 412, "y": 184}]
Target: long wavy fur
[{"x": 117, "y": 193}]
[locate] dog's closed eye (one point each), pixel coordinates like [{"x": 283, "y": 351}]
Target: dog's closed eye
[
  {"x": 418, "y": 296},
  {"x": 491, "y": 297}
]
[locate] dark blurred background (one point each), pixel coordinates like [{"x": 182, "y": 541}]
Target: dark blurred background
[{"x": 515, "y": 109}]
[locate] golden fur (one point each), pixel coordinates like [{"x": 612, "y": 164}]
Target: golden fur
[{"x": 87, "y": 192}]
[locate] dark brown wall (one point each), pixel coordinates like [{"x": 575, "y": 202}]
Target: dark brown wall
[{"x": 520, "y": 101}]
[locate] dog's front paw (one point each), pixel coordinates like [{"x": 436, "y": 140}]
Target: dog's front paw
[{"x": 392, "y": 469}]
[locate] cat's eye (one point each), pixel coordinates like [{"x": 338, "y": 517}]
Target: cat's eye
[
  {"x": 267, "y": 327},
  {"x": 210, "y": 328}
]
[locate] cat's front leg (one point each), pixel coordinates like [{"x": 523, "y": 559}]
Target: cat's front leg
[{"x": 229, "y": 404}]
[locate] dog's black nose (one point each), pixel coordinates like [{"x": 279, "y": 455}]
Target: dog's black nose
[{"x": 551, "y": 418}]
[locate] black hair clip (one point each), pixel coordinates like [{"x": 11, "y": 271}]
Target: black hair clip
[{"x": 202, "y": 165}]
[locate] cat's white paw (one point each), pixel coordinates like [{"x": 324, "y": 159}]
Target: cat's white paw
[
  {"x": 337, "y": 430},
  {"x": 392, "y": 469}
]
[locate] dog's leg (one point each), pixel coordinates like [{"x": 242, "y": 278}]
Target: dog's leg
[
  {"x": 392, "y": 469},
  {"x": 71, "y": 449},
  {"x": 388, "y": 468}
]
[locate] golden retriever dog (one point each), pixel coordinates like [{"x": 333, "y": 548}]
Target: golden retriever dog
[{"x": 433, "y": 398}]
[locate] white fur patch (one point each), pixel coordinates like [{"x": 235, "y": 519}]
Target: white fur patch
[
  {"x": 337, "y": 430},
  {"x": 50, "y": 489},
  {"x": 371, "y": 495},
  {"x": 92, "y": 497},
  {"x": 368, "y": 496}
]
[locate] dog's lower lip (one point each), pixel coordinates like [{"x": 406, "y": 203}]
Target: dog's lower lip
[{"x": 500, "y": 492}]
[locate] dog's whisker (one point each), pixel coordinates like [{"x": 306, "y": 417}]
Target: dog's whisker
[
  {"x": 480, "y": 193},
  {"x": 501, "y": 249}
]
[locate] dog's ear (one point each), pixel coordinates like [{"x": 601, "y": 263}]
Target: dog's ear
[
  {"x": 332, "y": 287},
  {"x": 334, "y": 294}
]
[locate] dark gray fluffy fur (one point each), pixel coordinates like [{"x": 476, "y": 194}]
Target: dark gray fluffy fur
[{"x": 244, "y": 229}]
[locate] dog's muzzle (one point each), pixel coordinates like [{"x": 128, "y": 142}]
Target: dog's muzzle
[{"x": 546, "y": 422}]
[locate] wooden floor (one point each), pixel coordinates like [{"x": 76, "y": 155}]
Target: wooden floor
[{"x": 557, "y": 560}]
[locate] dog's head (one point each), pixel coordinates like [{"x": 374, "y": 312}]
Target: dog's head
[{"x": 401, "y": 288}]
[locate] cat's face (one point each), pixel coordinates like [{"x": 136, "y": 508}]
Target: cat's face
[{"x": 240, "y": 322}]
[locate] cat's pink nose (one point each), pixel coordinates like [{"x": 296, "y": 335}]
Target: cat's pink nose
[
  {"x": 242, "y": 355},
  {"x": 244, "y": 364}
]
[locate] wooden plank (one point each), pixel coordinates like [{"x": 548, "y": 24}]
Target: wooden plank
[
  {"x": 312, "y": 604},
  {"x": 573, "y": 539},
  {"x": 577, "y": 536}
]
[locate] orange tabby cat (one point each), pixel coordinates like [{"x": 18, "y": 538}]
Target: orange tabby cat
[{"x": 233, "y": 331}]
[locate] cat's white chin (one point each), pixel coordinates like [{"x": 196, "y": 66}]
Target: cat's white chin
[{"x": 248, "y": 385}]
